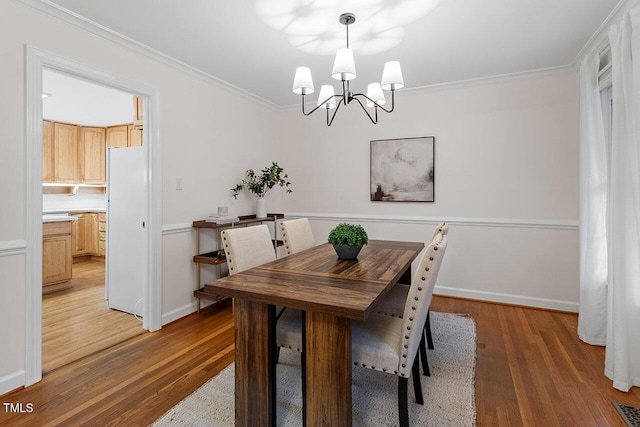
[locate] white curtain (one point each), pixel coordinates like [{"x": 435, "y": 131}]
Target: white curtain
[
  {"x": 622, "y": 360},
  {"x": 610, "y": 207},
  {"x": 592, "y": 321}
]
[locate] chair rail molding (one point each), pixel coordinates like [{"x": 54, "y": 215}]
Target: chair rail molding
[
  {"x": 13, "y": 247},
  {"x": 478, "y": 222}
]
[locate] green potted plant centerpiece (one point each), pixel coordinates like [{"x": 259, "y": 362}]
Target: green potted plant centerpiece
[
  {"x": 259, "y": 184},
  {"x": 348, "y": 240}
]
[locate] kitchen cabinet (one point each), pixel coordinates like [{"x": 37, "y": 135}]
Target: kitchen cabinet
[
  {"x": 86, "y": 234},
  {"x": 48, "y": 139},
  {"x": 56, "y": 252},
  {"x": 118, "y": 136},
  {"x": 65, "y": 153},
  {"x": 137, "y": 112},
  {"x": 135, "y": 136},
  {"x": 92, "y": 155},
  {"x": 102, "y": 234}
]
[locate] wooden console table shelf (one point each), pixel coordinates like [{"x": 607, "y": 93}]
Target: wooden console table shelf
[{"x": 217, "y": 257}]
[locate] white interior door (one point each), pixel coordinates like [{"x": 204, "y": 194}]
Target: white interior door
[{"x": 126, "y": 232}]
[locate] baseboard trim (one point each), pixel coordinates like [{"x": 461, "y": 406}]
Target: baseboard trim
[
  {"x": 496, "y": 297},
  {"x": 13, "y": 247},
  {"x": 11, "y": 382},
  {"x": 183, "y": 311}
]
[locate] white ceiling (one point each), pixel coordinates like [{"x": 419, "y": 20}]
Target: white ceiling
[
  {"x": 75, "y": 101},
  {"x": 256, "y": 45}
]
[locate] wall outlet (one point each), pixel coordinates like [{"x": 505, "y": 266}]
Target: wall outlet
[{"x": 178, "y": 183}]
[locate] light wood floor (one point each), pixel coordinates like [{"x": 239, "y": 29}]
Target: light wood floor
[
  {"x": 532, "y": 370},
  {"x": 76, "y": 321}
]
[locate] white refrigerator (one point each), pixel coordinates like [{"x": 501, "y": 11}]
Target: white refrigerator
[{"x": 126, "y": 252}]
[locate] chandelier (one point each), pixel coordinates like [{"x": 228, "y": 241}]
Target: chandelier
[{"x": 344, "y": 69}]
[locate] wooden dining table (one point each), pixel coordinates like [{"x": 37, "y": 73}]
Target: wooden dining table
[{"x": 332, "y": 292}]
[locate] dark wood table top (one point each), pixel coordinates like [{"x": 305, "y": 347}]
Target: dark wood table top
[{"x": 317, "y": 280}]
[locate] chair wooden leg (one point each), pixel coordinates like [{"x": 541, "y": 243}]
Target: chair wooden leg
[
  {"x": 417, "y": 387},
  {"x": 427, "y": 328},
  {"x": 423, "y": 357},
  {"x": 403, "y": 407}
]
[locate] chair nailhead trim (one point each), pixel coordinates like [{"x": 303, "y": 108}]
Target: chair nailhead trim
[{"x": 430, "y": 258}]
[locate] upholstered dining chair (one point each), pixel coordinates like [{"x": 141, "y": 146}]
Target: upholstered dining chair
[
  {"x": 297, "y": 235},
  {"x": 247, "y": 247},
  {"x": 384, "y": 343},
  {"x": 394, "y": 302}
]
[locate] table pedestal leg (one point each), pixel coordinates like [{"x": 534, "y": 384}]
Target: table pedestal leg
[
  {"x": 328, "y": 358},
  {"x": 255, "y": 367}
]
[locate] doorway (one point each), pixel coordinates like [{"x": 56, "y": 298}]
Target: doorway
[
  {"x": 37, "y": 62},
  {"x": 75, "y": 311}
]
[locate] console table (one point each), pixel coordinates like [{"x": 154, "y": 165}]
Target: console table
[{"x": 217, "y": 257}]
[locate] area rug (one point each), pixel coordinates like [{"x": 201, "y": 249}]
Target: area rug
[{"x": 448, "y": 392}]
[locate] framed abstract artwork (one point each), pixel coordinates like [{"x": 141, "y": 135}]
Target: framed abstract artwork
[{"x": 402, "y": 170}]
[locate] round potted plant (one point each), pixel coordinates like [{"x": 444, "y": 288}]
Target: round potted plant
[
  {"x": 348, "y": 240},
  {"x": 268, "y": 178}
]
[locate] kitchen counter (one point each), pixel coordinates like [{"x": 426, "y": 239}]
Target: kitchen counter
[
  {"x": 64, "y": 211},
  {"x": 58, "y": 217}
]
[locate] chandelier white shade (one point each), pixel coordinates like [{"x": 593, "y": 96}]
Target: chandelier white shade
[
  {"x": 303, "y": 83},
  {"x": 344, "y": 69},
  {"x": 391, "y": 76},
  {"x": 375, "y": 95},
  {"x": 327, "y": 94}
]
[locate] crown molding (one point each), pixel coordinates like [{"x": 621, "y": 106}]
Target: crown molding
[
  {"x": 79, "y": 21},
  {"x": 599, "y": 41}
]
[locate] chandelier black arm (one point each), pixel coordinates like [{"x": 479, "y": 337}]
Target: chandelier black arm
[
  {"x": 342, "y": 101},
  {"x": 375, "y": 122},
  {"x": 318, "y": 106},
  {"x": 378, "y": 105}
]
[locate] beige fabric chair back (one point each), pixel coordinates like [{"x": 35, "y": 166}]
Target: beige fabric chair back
[
  {"x": 297, "y": 235},
  {"x": 247, "y": 247},
  {"x": 442, "y": 228},
  {"x": 418, "y": 301}
]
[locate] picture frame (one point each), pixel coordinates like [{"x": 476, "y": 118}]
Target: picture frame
[{"x": 402, "y": 170}]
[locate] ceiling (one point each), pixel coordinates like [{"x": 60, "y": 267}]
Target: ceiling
[
  {"x": 76, "y": 101},
  {"x": 256, "y": 45}
]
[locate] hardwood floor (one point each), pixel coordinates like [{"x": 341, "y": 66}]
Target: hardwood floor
[
  {"x": 76, "y": 321},
  {"x": 531, "y": 370}
]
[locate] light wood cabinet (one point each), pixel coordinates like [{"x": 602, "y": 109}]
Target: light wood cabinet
[
  {"x": 118, "y": 136},
  {"x": 86, "y": 235},
  {"x": 56, "y": 252},
  {"x": 91, "y": 233},
  {"x": 48, "y": 139},
  {"x": 135, "y": 136},
  {"x": 92, "y": 155},
  {"x": 78, "y": 234},
  {"x": 102, "y": 234},
  {"x": 137, "y": 112},
  {"x": 65, "y": 153}
]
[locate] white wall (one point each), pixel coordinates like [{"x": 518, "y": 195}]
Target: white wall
[
  {"x": 209, "y": 135},
  {"x": 506, "y": 173},
  {"x": 505, "y": 177}
]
